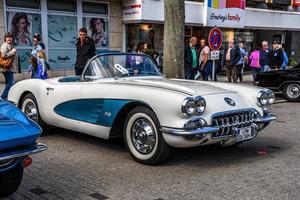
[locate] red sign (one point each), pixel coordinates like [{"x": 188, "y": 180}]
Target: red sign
[
  {"x": 215, "y": 39},
  {"x": 296, "y": 3}
]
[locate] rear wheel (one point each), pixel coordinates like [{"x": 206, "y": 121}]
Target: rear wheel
[
  {"x": 291, "y": 91},
  {"x": 143, "y": 138},
  {"x": 30, "y": 108},
  {"x": 10, "y": 181}
]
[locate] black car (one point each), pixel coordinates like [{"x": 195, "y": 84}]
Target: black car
[{"x": 286, "y": 82}]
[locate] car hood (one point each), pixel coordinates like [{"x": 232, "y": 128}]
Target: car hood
[{"x": 179, "y": 85}]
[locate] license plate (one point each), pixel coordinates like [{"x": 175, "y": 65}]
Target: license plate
[{"x": 244, "y": 133}]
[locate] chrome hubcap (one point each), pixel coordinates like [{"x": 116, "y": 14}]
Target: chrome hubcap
[
  {"x": 293, "y": 91},
  {"x": 143, "y": 136},
  {"x": 31, "y": 111}
]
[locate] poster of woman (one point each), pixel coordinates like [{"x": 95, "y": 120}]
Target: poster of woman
[
  {"x": 22, "y": 26},
  {"x": 97, "y": 30}
]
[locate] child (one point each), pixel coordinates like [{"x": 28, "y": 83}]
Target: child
[{"x": 38, "y": 66}]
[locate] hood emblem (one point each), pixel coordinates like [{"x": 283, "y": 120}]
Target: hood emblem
[{"x": 229, "y": 101}]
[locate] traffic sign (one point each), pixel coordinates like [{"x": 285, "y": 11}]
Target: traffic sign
[
  {"x": 214, "y": 55},
  {"x": 215, "y": 39}
]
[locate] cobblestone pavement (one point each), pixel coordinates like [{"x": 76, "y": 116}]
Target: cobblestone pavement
[{"x": 77, "y": 166}]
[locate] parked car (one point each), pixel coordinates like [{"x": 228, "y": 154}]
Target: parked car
[
  {"x": 124, "y": 95},
  {"x": 286, "y": 82},
  {"x": 18, "y": 140}
]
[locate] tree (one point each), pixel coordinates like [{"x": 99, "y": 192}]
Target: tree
[{"x": 173, "y": 66}]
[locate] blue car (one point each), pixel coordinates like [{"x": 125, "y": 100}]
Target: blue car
[{"x": 18, "y": 140}]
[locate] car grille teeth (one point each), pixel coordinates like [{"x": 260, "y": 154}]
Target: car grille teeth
[{"x": 227, "y": 123}]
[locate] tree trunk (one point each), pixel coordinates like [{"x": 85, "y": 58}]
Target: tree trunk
[{"x": 173, "y": 66}]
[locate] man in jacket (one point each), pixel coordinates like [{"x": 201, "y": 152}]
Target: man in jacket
[
  {"x": 191, "y": 59},
  {"x": 230, "y": 59},
  {"x": 277, "y": 57},
  {"x": 85, "y": 51},
  {"x": 264, "y": 57}
]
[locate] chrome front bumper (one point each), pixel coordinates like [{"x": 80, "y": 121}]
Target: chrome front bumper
[
  {"x": 265, "y": 120},
  {"x": 37, "y": 148}
]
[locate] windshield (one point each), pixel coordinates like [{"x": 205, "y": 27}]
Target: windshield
[{"x": 124, "y": 65}]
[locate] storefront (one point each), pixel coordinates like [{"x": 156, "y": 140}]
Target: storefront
[{"x": 58, "y": 23}]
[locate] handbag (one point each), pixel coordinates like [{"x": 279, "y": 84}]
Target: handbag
[{"x": 5, "y": 62}]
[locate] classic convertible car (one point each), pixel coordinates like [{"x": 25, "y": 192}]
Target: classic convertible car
[
  {"x": 125, "y": 95},
  {"x": 18, "y": 136},
  {"x": 286, "y": 82}
]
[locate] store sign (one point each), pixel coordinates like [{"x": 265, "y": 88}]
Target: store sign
[
  {"x": 226, "y": 13},
  {"x": 132, "y": 12},
  {"x": 296, "y": 3}
]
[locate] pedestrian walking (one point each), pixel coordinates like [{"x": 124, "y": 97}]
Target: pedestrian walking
[
  {"x": 8, "y": 63},
  {"x": 230, "y": 59},
  {"x": 204, "y": 60},
  {"x": 285, "y": 59},
  {"x": 241, "y": 63},
  {"x": 254, "y": 62},
  {"x": 191, "y": 59},
  {"x": 277, "y": 57},
  {"x": 265, "y": 56},
  {"x": 85, "y": 51},
  {"x": 149, "y": 50}
]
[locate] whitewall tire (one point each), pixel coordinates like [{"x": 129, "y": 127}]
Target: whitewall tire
[{"x": 143, "y": 138}]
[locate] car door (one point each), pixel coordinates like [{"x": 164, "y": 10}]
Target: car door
[{"x": 62, "y": 98}]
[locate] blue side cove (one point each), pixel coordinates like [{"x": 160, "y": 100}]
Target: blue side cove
[{"x": 95, "y": 111}]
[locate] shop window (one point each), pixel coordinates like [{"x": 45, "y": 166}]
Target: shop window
[
  {"x": 62, "y": 5},
  {"x": 62, "y": 58},
  {"x": 62, "y": 34},
  {"x": 96, "y": 21},
  {"x": 98, "y": 30},
  {"x": 23, "y": 26},
  {"x": 95, "y": 8},
  {"x": 34, "y": 4}
]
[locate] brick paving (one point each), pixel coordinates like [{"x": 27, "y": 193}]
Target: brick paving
[{"x": 77, "y": 166}]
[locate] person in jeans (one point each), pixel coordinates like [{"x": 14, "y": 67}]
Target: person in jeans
[
  {"x": 241, "y": 63},
  {"x": 8, "y": 51},
  {"x": 191, "y": 59},
  {"x": 264, "y": 57},
  {"x": 85, "y": 50},
  {"x": 230, "y": 59},
  {"x": 254, "y": 62},
  {"x": 204, "y": 60}
]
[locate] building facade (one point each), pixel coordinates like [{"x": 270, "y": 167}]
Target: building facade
[{"x": 121, "y": 24}]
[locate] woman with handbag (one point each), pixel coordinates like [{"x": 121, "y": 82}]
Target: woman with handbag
[{"x": 8, "y": 63}]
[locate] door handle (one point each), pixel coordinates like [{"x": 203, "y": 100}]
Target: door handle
[{"x": 49, "y": 89}]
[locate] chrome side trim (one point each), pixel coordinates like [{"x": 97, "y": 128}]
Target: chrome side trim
[{"x": 37, "y": 148}]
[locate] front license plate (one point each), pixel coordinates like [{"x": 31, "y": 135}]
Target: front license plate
[{"x": 244, "y": 133}]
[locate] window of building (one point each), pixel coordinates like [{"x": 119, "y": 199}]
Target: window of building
[
  {"x": 34, "y": 4},
  {"x": 96, "y": 21},
  {"x": 62, "y": 5},
  {"x": 23, "y": 24}
]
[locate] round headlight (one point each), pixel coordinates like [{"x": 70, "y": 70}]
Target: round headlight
[
  {"x": 200, "y": 105},
  {"x": 271, "y": 98},
  {"x": 189, "y": 106},
  {"x": 262, "y": 98}
]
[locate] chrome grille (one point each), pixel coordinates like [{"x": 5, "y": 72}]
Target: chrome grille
[{"x": 226, "y": 122}]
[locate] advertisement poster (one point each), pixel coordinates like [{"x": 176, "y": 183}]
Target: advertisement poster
[
  {"x": 62, "y": 59},
  {"x": 97, "y": 30},
  {"x": 23, "y": 26},
  {"x": 62, "y": 31},
  {"x": 226, "y": 13}
]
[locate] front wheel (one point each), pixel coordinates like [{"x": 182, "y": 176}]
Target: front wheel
[
  {"x": 143, "y": 138},
  {"x": 30, "y": 108},
  {"x": 10, "y": 181},
  {"x": 291, "y": 91}
]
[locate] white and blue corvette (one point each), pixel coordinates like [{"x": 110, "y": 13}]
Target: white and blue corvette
[{"x": 124, "y": 95}]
